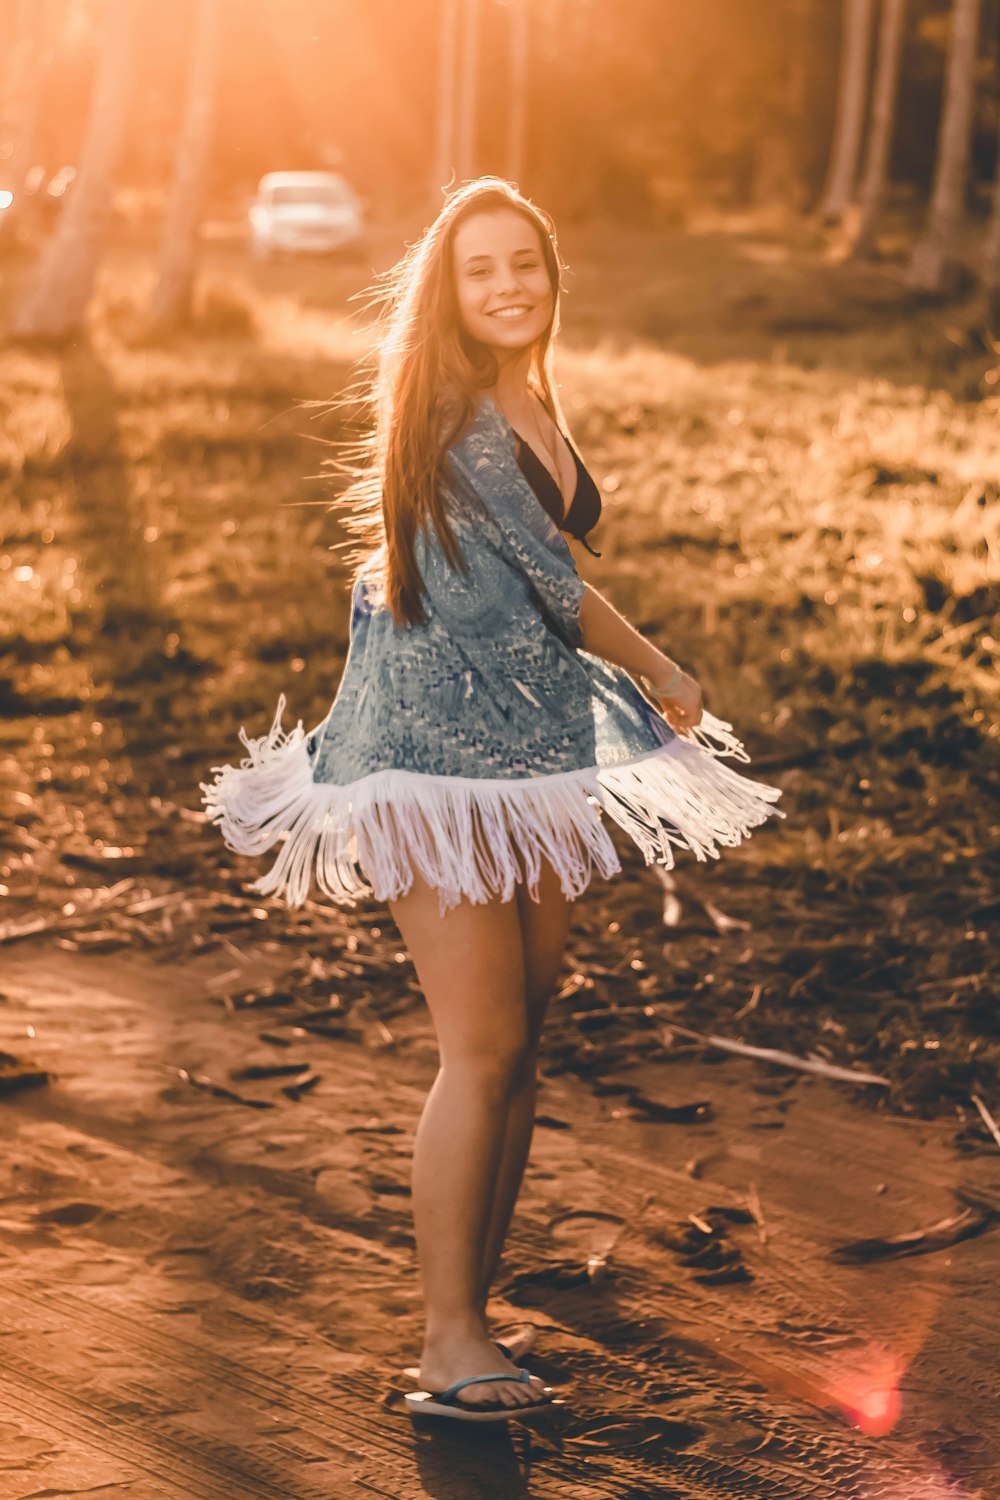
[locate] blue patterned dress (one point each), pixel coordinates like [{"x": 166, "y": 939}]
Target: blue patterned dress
[{"x": 469, "y": 746}]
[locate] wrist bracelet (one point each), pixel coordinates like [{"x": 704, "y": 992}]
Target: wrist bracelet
[{"x": 678, "y": 673}]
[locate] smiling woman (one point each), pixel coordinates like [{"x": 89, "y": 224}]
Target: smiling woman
[
  {"x": 484, "y": 722},
  {"x": 506, "y": 300},
  {"x": 505, "y": 296}
]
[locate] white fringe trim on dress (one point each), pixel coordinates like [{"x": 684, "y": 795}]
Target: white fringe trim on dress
[{"x": 462, "y": 833}]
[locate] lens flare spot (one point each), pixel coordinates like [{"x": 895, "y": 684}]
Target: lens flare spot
[{"x": 870, "y": 1399}]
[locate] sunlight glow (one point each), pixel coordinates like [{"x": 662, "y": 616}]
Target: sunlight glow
[{"x": 870, "y": 1399}]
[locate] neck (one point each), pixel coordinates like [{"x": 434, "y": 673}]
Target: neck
[{"x": 511, "y": 385}]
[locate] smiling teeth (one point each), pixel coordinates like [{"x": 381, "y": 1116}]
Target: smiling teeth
[{"x": 509, "y": 312}]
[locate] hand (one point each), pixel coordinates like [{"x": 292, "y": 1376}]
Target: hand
[{"x": 678, "y": 697}]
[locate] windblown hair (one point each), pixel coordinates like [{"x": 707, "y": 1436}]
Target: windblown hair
[{"x": 428, "y": 373}]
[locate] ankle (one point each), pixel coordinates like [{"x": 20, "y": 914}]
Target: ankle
[{"x": 463, "y": 1328}]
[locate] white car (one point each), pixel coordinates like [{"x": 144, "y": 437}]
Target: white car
[{"x": 304, "y": 212}]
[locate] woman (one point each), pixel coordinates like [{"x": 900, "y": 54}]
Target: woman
[{"x": 484, "y": 721}]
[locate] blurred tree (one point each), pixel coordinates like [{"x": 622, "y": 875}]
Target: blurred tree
[
  {"x": 990, "y": 269},
  {"x": 884, "y": 95},
  {"x": 517, "y": 110},
  {"x": 639, "y": 110},
  {"x": 468, "y": 90},
  {"x": 783, "y": 104},
  {"x": 57, "y": 300},
  {"x": 797, "y": 101},
  {"x": 854, "y": 64},
  {"x": 26, "y": 56},
  {"x": 936, "y": 265},
  {"x": 171, "y": 299},
  {"x": 444, "y": 149}
]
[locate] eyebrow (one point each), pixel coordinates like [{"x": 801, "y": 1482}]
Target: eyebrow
[{"x": 524, "y": 250}]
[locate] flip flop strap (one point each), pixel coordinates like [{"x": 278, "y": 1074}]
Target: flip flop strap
[{"x": 522, "y": 1375}]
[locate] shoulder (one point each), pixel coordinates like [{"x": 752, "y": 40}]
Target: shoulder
[{"x": 484, "y": 441}]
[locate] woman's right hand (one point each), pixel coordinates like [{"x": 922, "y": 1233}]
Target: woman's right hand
[{"x": 677, "y": 696}]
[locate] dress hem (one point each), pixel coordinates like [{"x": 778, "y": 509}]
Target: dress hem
[{"x": 463, "y": 834}]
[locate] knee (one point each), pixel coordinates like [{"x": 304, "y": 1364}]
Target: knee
[{"x": 502, "y": 1069}]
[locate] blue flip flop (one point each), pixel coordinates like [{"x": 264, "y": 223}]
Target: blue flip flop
[{"x": 446, "y": 1404}]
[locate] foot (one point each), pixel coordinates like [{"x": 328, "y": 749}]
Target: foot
[{"x": 442, "y": 1364}]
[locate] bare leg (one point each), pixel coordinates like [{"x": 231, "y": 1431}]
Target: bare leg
[
  {"x": 470, "y": 963},
  {"x": 544, "y": 930}
]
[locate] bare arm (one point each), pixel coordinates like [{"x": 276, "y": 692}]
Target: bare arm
[{"x": 607, "y": 633}]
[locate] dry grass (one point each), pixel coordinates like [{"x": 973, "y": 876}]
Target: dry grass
[{"x": 801, "y": 473}]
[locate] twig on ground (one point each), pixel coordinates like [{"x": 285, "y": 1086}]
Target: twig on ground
[
  {"x": 988, "y": 1120},
  {"x": 233, "y": 951},
  {"x": 754, "y": 1205},
  {"x": 11, "y": 932},
  {"x": 155, "y": 903},
  {"x": 215, "y": 979},
  {"x": 751, "y": 1004}
]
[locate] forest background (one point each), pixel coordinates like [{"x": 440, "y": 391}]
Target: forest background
[{"x": 656, "y": 104}]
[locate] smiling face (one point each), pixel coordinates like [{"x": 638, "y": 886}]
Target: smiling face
[{"x": 502, "y": 287}]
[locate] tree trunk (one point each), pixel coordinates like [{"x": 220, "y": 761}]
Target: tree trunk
[
  {"x": 778, "y": 175},
  {"x": 468, "y": 77},
  {"x": 57, "y": 300},
  {"x": 171, "y": 300},
  {"x": 517, "y": 101},
  {"x": 854, "y": 59},
  {"x": 936, "y": 266},
  {"x": 798, "y": 14},
  {"x": 444, "y": 150},
  {"x": 873, "y": 177},
  {"x": 991, "y": 254}
]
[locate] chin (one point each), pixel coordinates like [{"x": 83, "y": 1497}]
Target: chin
[
  {"x": 510, "y": 346},
  {"x": 510, "y": 341}
]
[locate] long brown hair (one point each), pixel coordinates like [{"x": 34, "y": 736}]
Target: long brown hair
[{"x": 423, "y": 393}]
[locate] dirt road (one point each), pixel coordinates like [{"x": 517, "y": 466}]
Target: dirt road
[{"x": 213, "y": 1295}]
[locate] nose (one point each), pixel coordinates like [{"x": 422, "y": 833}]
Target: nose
[{"x": 507, "y": 280}]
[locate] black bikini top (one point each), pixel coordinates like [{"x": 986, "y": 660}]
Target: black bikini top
[{"x": 584, "y": 510}]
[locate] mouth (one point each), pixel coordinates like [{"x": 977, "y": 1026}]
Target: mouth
[{"x": 510, "y": 314}]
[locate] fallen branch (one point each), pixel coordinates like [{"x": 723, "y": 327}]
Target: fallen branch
[
  {"x": 767, "y": 1054},
  {"x": 785, "y": 1059},
  {"x": 85, "y": 906}
]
